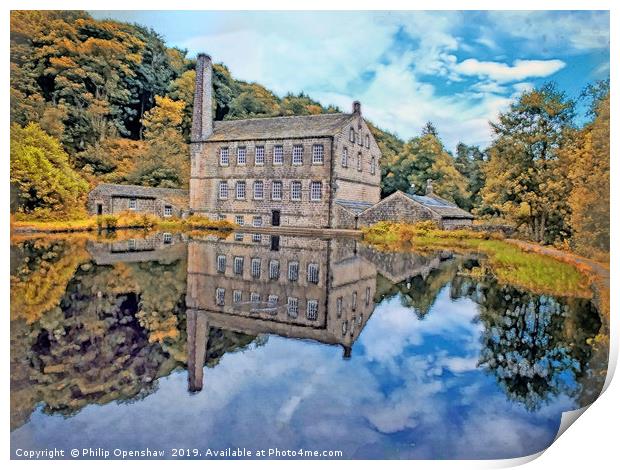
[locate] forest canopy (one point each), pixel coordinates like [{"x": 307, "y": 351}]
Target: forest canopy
[{"x": 106, "y": 101}]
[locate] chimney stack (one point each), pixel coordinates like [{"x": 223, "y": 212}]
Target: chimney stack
[
  {"x": 429, "y": 186},
  {"x": 357, "y": 108},
  {"x": 202, "y": 120}
]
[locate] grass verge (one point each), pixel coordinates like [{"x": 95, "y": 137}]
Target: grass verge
[{"x": 508, "y": 262}]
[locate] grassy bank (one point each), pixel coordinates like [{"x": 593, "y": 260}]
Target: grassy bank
[
  {"x": 121, "y": 221},
  {"x": 508, "y": 262}
]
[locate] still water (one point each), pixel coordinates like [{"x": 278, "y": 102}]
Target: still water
[{"x": 260, "y": 342}]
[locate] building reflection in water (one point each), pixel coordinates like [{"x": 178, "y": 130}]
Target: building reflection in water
[{"x": 293, "y": 287}]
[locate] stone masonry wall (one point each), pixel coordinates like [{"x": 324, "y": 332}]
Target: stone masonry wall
[
  {"x": 396, "y": 208},
  {"x": 207, "y": 173}
]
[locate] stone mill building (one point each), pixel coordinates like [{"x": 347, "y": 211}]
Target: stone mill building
[{"x": 299, "y": 171}]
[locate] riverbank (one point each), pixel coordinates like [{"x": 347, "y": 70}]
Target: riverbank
[
  {"x": 120, "y": 221},
  {"x": 533, "y": 267}
]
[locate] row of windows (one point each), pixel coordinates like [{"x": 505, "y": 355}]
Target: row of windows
[
  {"x": 354, "y": 321},
  {"x": 292, "y": 303},
  {"x": 344, "y": 161},
  {"x": 277, "y": 155},
  {"x": 133, "y": 205},
  {"x": 357, "y": 137},
  {"x": 353, "y": 302},
  {"x": 312, "y": 269},
  {"x": 277, "y": 190}
]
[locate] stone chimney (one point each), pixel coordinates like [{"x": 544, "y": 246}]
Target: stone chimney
[
  {"x": 429, "y": 187},
  {"x": 357, "y": 108},
  {"x": 202, "y": 120}
]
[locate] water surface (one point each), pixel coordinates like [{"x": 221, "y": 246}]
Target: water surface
[{"x": 167, "y": 342}]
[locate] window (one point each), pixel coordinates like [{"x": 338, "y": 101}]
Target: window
[
  {"x": 276, "y": 190},
  {"x": 344, "y": 327},
  {"x": 354, "y": 301},
  {"x": 239, "y": 220},
  {"x": 359, "y": 161},
  {"x": 339, "y": 307},
  {"x": 223, "y": 192},
  {"x": 224, "y": 156},
  {"x": 359, "y": 138},
  {"x": 238, "y": 237},
  {"x": 317, "y": 154},
  {"x": 221, "y": 217},
  {"x": 254, "y": 297},
  {"x": 367, "y": 299},
  {"x": 133, "y": 203},
  {"x": 257, "y": 237},
  {"x": 313, "y": 273},
  {"x": 296, "y": 191},
  {"x": 274, "y": 269},
  {"x": 167, "y": 211},
  {"x": 240, "y": 190},
  {"x": 278, "y": 155},
  {"x": 345, "y": 157},
  {"x": 219, "y": 295},
  {"x": 237, "y": 296},
  {"x": 373, "y": 165},
  {"x": 259, "y": 155},
  {"x": 351, "y": 135},
  {"x": 298, "y": 154},
  {"x": 257, "y": 221},
  {"x": 315, "y": 191},
  {"x": 167, "y": 238},
  {"x": 293, "y": 271},
  {"x": 131, "y": 244},
  {"x": 292, "y": 307},
  {"x": 238, "y": 265},
  {"x": 255, "y": 267},
  {"x": 273, "y": 300},
  {"x": 221, "y": 263},
  {"x": 241, "y": 155},
  {"x": 259, "y": 188},
  {"x": 367, "y": 141},
  {"x": 312, "y": 309}
]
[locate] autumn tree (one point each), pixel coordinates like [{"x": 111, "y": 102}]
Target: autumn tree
[
  {"x": 166, "y": 160},
  {"x": 469, "y": 162},
  {"x": 525, "y": 181},
  {"x": 586, "y": 157},
  {"x": 43, "y": 181}
]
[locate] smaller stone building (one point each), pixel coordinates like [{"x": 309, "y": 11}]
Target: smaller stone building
[
  {"x": 109, "y": 198},
  {"x": 411, "y": 208}
]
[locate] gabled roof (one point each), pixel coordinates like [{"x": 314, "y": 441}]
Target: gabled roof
[
  {"x": 314, "y": 125},
  {"x": 178, "y": 197},
  {"x": 440, "y": 206},
  {"x": 353, "y": 206}
]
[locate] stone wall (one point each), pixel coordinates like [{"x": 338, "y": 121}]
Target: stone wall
[
  {"x": 343, "y": 218},
  {"x": 448, "y": 223},
  {"x": 396, "y": 208},
  {"x": 207, "y": 174}
]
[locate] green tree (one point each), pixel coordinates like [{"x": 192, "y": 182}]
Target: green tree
[{"x": 525, "y": 181}]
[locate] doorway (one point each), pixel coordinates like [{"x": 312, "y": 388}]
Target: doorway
[
  {"x": 99, "y": 209},
  {"x": 275, "y": 218}
]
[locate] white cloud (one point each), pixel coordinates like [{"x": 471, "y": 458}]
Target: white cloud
[
  {"x": 503, "y": 73},
  {"x": 555, "y": 31}
]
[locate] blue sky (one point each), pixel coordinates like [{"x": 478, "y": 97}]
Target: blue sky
[{"x": 457, "y": 69}]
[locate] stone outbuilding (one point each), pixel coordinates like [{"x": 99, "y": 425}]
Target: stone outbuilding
[
  {"x": 412, "y": 208},
  {"x": 109, "y": 198}
]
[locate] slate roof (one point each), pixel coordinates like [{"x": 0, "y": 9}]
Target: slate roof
[
  {"x": 178, "y": 197},
  {"x": 314, "y": 125},
  {"x": 440, "y": 206},
  {"x": 353, "y": 206}
]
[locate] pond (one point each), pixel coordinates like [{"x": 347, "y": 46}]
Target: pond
[{"x": 286, "y": 344}]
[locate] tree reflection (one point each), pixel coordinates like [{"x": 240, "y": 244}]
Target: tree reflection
[
  {"x": 536, "y": 346},
  {"x": 112, "y": 333}
]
